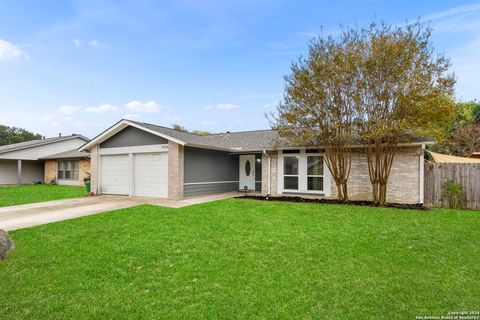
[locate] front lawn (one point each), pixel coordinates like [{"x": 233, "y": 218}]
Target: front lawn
[
  {"x": 244, "y": 259},
  {"x": 14, "y": 195}
]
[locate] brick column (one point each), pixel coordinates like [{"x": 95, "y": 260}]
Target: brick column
[
  {"x": 50, "y": 171},
  {"x": 94, "y": 169},
  {"x": 175, "y": 170},
  {"x": 273, "y": 173}
]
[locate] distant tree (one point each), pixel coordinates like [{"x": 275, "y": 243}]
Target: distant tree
[
  {"x": 468, "y": 112},
  {"x": 465, "y": 140},
  {"x": 201, "y": 132},
  {"x": 179, "y": 127},
  {"x": 182, "y": 128},
  {"x": 9, "y": 135}
]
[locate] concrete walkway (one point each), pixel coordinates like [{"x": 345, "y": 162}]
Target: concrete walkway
[{"x": 29, "y": 215}]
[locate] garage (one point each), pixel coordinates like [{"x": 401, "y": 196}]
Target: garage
[
  {"x": 151, "y": 175},
  {"x": 116, "y": 174},
  {"x": 148, "y": 176}
]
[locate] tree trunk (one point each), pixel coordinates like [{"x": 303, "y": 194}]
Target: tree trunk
[{"x": 380, "y": 159}]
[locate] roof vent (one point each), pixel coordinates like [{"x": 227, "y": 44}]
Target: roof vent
[{"x": 59, "y": 134}]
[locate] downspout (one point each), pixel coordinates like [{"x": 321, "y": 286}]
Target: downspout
[{"x": 268, "y": 172}]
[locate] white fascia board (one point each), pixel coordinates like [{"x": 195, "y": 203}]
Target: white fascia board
[
  {"x": 152, "y": 148},
  {"x": 122, "y": 124}
]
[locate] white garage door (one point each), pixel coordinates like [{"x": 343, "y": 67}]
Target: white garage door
[
  {"x": 151, "y": 174},
  {"x": 115, "y": 174}
]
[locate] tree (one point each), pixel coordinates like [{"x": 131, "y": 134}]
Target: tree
[
  {"x": 178, "y": 127},
  {"x": 379, "y": 86},
  {"x": 9, "y": 135},
  {"x": 466, "y": 139},
  {"x": 318, "y": 106},
  {"x": 182, "y": 128},
  {"x": 405, "y": 91}
]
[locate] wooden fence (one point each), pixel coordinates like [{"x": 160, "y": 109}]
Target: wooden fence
[{"x": 466, "y": 174}]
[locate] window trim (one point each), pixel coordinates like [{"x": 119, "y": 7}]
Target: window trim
[
  {"x": 302, "y": 174},
  {"x": 292, "y": 155},
  {"x": 316, "y": 175},
  {"x": 74, "y": 164}
]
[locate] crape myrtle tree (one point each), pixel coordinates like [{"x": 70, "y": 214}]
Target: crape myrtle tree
[
  {"x": 318, "y": 108},
  {"x": 405, "y": 92},
  {"x": 376, "y": 87}
]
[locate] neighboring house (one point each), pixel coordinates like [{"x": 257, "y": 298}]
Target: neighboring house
[
  {"x": 70, "y": 167},
  {"x": 445, "y": 158},
  {"x": 22, "y": 163},
  {"x": 140, "y": 159}
]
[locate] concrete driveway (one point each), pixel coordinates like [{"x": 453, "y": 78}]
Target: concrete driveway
[{"x": 29, "y": 215}]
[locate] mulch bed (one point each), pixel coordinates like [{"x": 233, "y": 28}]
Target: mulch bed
[{"x": 416, "y": 206}]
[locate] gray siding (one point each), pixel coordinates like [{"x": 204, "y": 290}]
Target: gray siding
[
  {"x": 203, "y": 165},
  {"x": 208, "y": 188},
  {"x": 8, "y": 172},
  {"x": 206, "y": 166},
  {"x": 32, "y": 171},
  {"x": 131, "y": 136}
]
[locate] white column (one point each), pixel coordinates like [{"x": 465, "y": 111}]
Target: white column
[
  {"x": 131, "y": 173},
  {"x": 19, "y": 171}
]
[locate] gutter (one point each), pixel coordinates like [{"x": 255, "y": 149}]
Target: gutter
[{"x": 269, "y": 170}]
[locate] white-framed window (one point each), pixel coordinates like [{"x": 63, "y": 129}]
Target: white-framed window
[
  {"x": 303, "y": 171},
  {"x": 315, "y": 173},
  {"x": 67, "y": 170},
  {"x": 290, "y": 172}
]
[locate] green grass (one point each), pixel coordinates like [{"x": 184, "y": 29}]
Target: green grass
[
  {"x": 14, "y": 195},
  {"x": 244, "y": 259}
]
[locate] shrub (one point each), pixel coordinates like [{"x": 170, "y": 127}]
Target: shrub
[{"x": 452, "y": 192}]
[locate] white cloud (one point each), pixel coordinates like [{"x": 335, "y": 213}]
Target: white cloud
[
  {"x": 130, "y": 116},
  {"x": 10, "y": 52},
  {"x": 147, "y": 107},
  {"x": 102, "y": 109},
  {"x": 452, "y": 12},
  {"x": 95, "y": 44},
  {"x": 76, "y": 42},
  {"x": 66, "y": 109},
  {"x": 53, "y": 120},
  {"x": 223, "y": 106}
]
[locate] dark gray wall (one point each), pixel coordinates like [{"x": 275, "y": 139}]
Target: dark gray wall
[
  {"x": 203, "y": 165},
  {"x": 209, "y": 188},
  {"x": 131, "y": 136}
]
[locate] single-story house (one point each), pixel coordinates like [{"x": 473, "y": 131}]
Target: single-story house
[
  {"x": 24, "y": 162},
  {"x": 142, "y": 159}
]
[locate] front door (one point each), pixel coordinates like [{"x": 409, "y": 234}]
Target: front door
[{"x": 247, "y": 172}]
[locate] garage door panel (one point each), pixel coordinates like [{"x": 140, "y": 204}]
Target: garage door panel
[
  {"x": 151, "y": 175},
  {"x": 115, "y": 174}
]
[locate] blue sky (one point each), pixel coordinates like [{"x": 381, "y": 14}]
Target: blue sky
[{"x": 80, "y": 66}]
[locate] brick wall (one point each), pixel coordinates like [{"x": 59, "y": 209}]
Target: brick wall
[
  {"x": 84, "y": 170},
  {"x": 273, "y": 173},
  {"x": 175, "y": 170},
  {"x": 94, "y": 169},
  {"x": 50, "y": 172},
  {"x": 403, "y": 184}
]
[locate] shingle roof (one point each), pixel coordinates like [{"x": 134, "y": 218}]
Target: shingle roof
[
  {"x": 36, "y": 143},
  {"x": 232, "y": 141},
  {"x": 70, "y": 154}
]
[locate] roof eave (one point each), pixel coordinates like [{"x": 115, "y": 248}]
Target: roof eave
[{"x": 119, "y": 126}]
